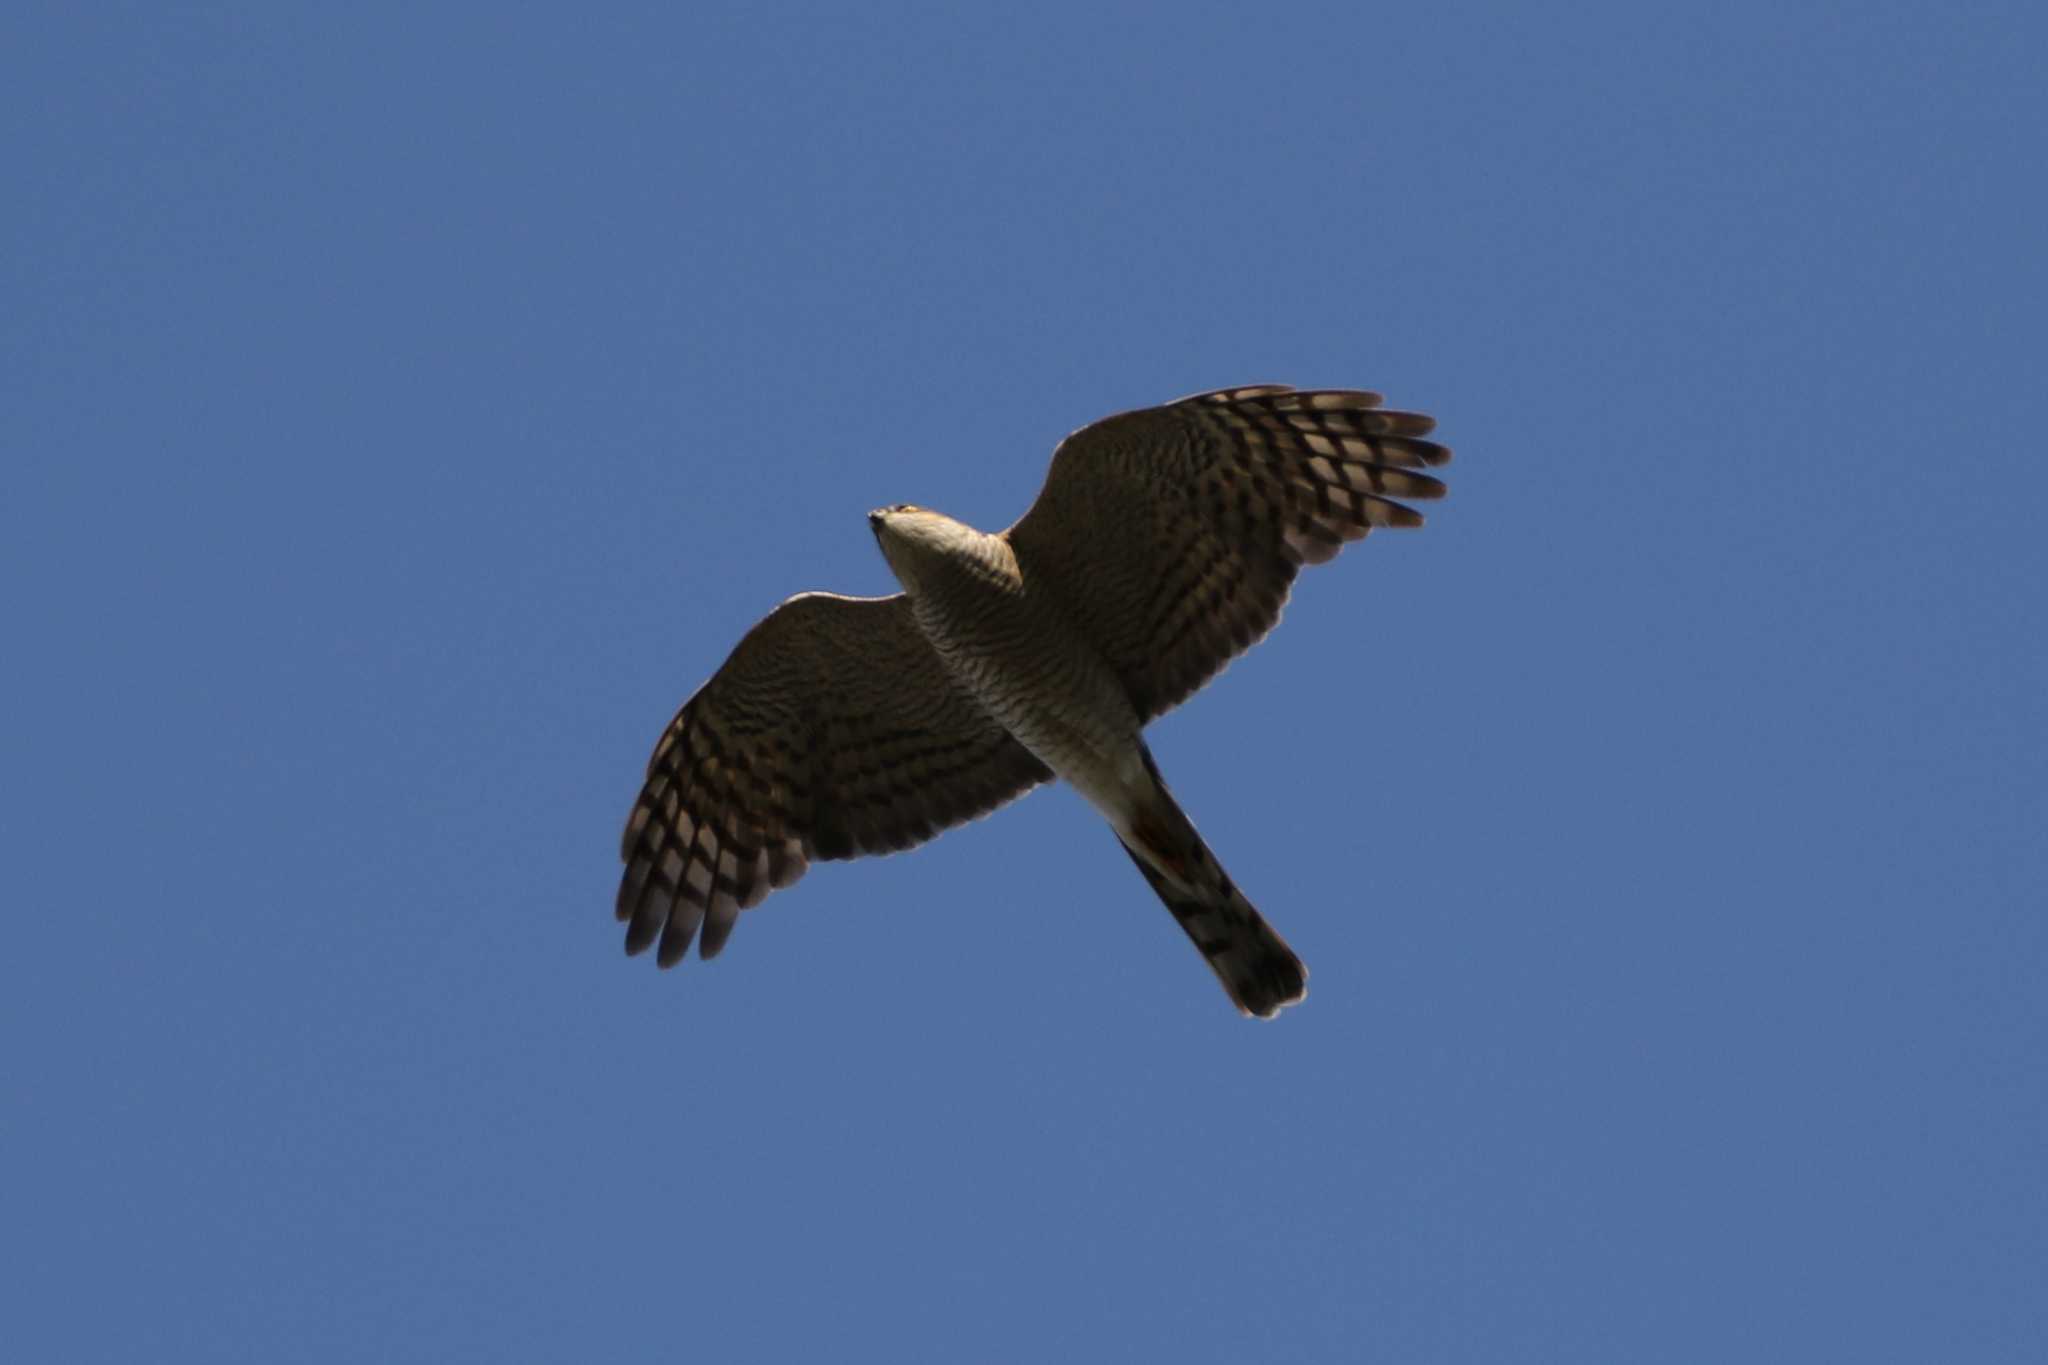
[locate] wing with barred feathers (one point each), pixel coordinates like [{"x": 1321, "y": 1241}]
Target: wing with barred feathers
[
  {"x": 1173, "y": 533},
  {"x": 833, "y": 731}
]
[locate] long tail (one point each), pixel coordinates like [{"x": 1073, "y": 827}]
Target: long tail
[{"x": 1257, "y": 968}]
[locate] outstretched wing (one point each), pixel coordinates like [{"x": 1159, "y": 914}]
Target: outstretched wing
[
  {"x": 1173, "y": 533},
  {"x": 832, "y": 731}
]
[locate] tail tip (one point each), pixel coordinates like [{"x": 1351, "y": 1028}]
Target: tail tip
[{"x": 1262, "y": 988}]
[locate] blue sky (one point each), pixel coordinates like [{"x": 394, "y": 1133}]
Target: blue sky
[{"x": 406, "y": 407}]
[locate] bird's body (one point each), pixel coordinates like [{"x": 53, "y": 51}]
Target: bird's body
[
  {"x": 1011, "y": 644},
  {"x": 1162, "y": 545}
]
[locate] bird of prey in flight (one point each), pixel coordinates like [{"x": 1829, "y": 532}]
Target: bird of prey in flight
[{"x": 1162, "y": 545}]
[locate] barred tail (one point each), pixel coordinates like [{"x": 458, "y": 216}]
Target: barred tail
[{"x": 1258, "y": 969}]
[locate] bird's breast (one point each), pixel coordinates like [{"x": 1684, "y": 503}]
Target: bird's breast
[{"x": 1029, "y": 665}]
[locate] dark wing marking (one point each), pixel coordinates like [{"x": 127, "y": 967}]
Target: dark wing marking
[
  {"x": 1174, "y": 533},
  {"x": 833, "y": 731}
]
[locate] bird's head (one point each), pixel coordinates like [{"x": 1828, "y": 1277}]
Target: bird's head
[{"x": 918, "y": 541}]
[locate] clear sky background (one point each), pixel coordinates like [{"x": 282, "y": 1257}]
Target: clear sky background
[{"x": 406, "y": 407}]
